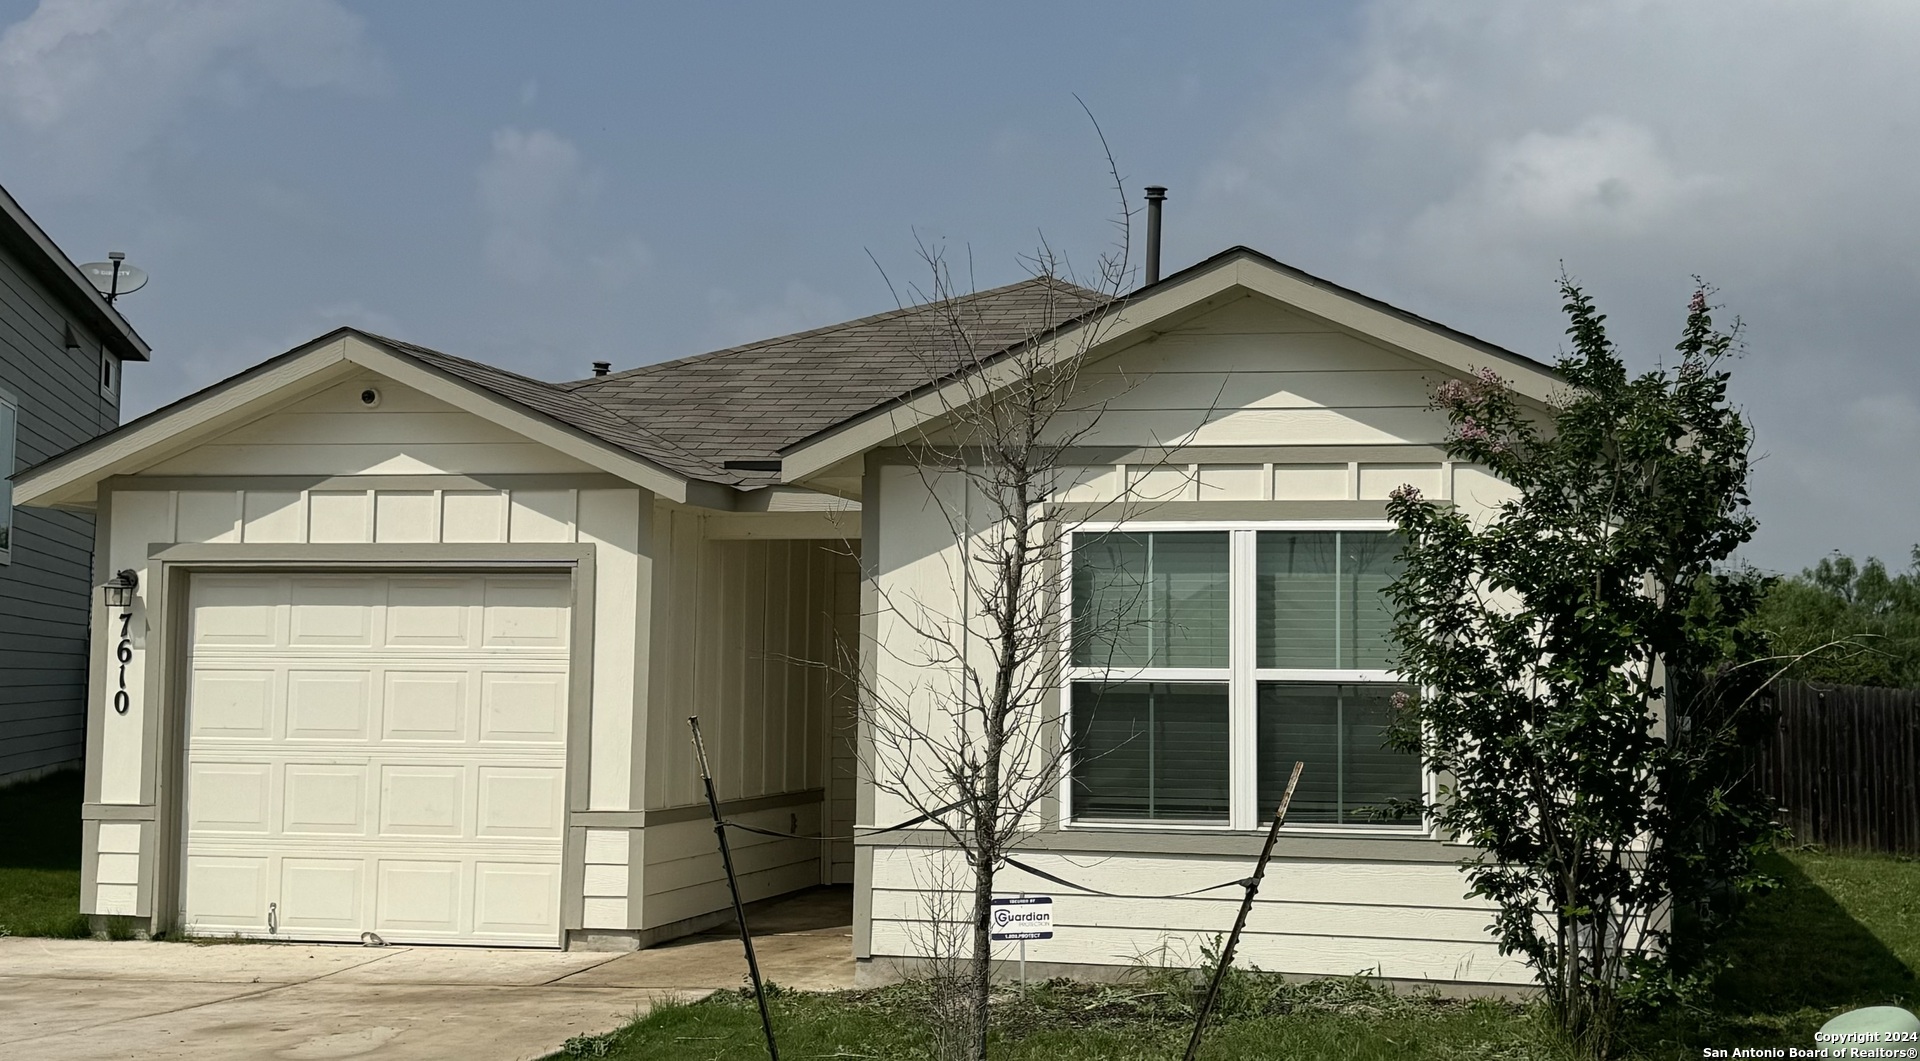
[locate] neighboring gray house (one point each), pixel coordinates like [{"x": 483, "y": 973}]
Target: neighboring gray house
[{"x": 61, "y": 348}]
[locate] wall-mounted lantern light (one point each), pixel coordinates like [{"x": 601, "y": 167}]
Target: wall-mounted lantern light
[{"x": 118, "y": 590}]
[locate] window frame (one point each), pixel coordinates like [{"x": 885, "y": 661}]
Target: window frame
[
  {"x": 109, "y": 374},
  {"x": 8, "y": 468},
  {"x": 1241, "y": 676}
]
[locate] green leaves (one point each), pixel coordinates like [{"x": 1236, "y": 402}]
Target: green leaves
[{"x": 1542, "y": 641}]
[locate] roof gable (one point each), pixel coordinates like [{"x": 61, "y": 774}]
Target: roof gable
[
  {"x": 1145, "y": 314},
  {"x": 44, "y": 260},
  {"x": 72, "y": 478}
]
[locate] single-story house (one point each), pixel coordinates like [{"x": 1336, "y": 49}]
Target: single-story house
[{"x": 409, "y": 642}]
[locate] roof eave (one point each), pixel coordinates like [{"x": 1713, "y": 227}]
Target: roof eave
[
  {"x": 51, "y": 266},
  {"x": 71, "y": 479},
  {"x": 1133, "y": 316}
]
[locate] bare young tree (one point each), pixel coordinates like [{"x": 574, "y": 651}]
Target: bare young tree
[{"x": 972, "y": 737}]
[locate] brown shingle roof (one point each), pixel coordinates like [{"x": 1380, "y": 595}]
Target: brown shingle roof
[{"x": 747, "y": 402}]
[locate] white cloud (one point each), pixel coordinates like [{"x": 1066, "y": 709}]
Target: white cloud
[
  {"x": 93, "y": 82},
  {"x": 526, "y": 185},
  {"x": 1463, "y": 150}
]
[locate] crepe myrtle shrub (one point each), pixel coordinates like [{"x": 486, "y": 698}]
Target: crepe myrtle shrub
[{"x": 1548, "y": 640}]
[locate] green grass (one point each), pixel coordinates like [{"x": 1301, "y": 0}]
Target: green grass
[
  {"x": 1842, "y": 932},
  {"x": 40, "y": 858}
]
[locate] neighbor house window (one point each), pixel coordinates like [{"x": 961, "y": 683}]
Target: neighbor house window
[
  {"x": 9, "y": 432},
  {"x": 1205, "y": 662},
  {"x": 109, "y": 374}
]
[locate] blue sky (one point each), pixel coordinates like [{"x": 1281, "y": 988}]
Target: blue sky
[{"x": 545, "y": 185}]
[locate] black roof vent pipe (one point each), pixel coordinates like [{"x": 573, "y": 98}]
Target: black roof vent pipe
[
  {"x": 601, "y": 368},
  {"x": 1156, "y": 194}
]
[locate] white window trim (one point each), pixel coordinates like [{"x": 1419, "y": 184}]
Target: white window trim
[
  {"x": 1242, "y": 679},
  {"x": 109, "y": 368},
  {"x": 8, "y": 399}
]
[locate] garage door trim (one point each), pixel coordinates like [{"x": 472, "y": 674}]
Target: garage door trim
[{"x": 166, "y": 600}]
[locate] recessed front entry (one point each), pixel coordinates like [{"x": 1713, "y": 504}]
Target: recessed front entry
[{"x": 376, "y": 752}]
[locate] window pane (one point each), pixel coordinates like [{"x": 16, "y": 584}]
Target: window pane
[
  {"x": 1150, "y": 751},
  {"x": 1339, "y": 732},
  {"x": 1297, "y": 596},
  {"x": 1369, "y": 562},
  {"x": 1150, "y": 599},
  {"x": 1319, "y": 599}
]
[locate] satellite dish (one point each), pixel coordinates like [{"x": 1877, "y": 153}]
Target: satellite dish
[{"x": 115, "y": 277}]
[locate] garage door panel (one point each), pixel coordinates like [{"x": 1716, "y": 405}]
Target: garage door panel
[
  {"x": 333, "y": 612},
  {"x": 423, "y": 801},
  {"x": 426, "y": 706},
  {"x": 526, "y": 613},
  {"x": 419, "y": 896},
  {"x": 225, "y": 892},
  {"x": 329, "y": 705},
  {"x": 432, "y": 612},
  {"x": 322, "y": 893},
  {"x": 324, "y": 800},
  {"x": 231, "y": 704},
  {"x": 237, "y": 610},
  {"x": 382, "y": 753},
  {"x": 514, "y": 802},
  {"x": 523, "y": 707},
  {"x": 516, "y": 899},
  {"x": 230, "y": 798}
]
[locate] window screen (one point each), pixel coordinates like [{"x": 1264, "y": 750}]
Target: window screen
[
  {"x": 1150, "y": 751},
  {"x": 1339, "y": 732},
  {"x": 1320, "y": 600},
  {"x": 1150, "y": 600}
]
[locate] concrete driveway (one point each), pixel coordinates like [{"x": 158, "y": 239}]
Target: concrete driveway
[{"x": 87, "y": 999}]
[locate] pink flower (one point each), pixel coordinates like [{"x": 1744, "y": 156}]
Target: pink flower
[
  {"x": 1488, "y": 377},
  {"x": 1400, "y": 701},
  {"x": 1471, "y": 431},
  {"x": 1452, "y": 392},
  {"x": 1699, "y": 303},
  {"x": 1405, "y": 492}
]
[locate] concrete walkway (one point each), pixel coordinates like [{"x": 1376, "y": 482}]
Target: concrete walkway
[{"x": 87, "y": 999}]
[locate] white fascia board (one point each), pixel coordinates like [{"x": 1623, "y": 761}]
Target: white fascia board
[
  {"x": 1142, "y": 318},
  {"x": 516, "y": 418},
  {"x": 1397, "y": 333},
  {"x": 71, "y": 480}
]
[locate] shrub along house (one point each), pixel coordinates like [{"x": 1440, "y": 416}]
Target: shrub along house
[{"x": 414, "y": 639}]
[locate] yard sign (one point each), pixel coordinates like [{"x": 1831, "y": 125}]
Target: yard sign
[{"x": 1023, "y": 917}]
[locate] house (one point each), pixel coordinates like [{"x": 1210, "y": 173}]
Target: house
[
  {"x": 414, "y": 640},
  {"x": 61, "y": 351}
]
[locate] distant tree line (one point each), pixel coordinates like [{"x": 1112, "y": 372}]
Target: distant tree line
[{"x": 1867, "y": 617}]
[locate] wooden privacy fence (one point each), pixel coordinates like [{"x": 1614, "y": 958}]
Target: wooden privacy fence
[{"x": 1844, "y": 762}]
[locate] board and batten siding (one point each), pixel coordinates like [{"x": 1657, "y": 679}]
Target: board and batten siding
[
  {"x": 44, "y": 590},
  {"x": 196, "y": 497},
  {"x": 1255, "y": 404},
  {"x": 750, "y": 635}
]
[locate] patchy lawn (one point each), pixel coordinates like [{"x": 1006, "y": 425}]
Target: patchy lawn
[
  {"x": 40, "y": 858},
  {"x": 1844, "y": 932}
]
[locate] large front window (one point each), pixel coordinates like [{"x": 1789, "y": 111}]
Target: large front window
[{"x": 1205, "y": 662}]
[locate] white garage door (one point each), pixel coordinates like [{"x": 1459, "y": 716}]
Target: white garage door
[{"x": 377, "y": 752}]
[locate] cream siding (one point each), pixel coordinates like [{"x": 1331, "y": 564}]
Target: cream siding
[
  {"x": 404, "y": 426},
  {"x": 1273, "y": 405},
  {"x": 333, "y": 433},
  {"x": 745, "y": 638}
]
